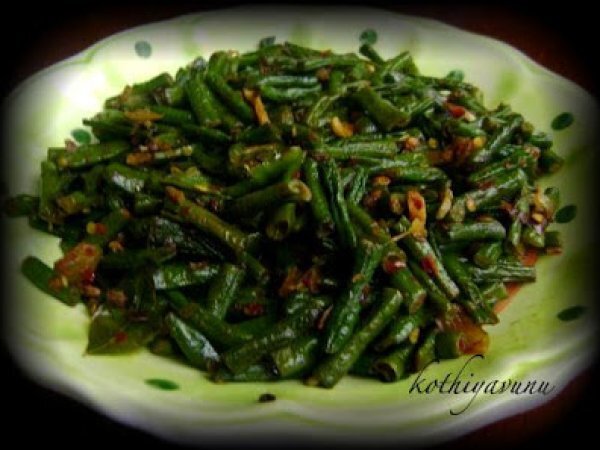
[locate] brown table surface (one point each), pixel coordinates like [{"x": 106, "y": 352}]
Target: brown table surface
[{"x": 538, "y": 38}]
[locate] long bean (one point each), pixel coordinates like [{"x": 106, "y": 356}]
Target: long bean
[{"x": 293, "y": 211}]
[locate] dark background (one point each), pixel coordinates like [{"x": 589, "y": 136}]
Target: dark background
[{"x": 38, "y": 35}]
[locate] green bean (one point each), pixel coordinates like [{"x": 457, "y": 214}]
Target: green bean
[
  {"x": 553, "y": 242},
  {"x": 224, "y": 217},
  {"x": 515, "y": 229},
  {"x": 386, "y": 115},
  {"x": 287, "y": 81},
  {"x": 296, "y": 358},
  {"x": 363, "y": 366},
  {"x": 218, "y": 332},
  {"x": 337, "y": 204},
  {"x": 422, "y": 250},
  {"x": 90, "y": 154},
  {"x": 402, "y": 328},
  {"x": 202, "y": 101},
  {"x": 521, "y": 158},
  {"x": 494, "y": 292},
  {"x": 21, "y": 205},
  {"x": 255, "y": 372},
  {"x": 317, "y": 113},
  {"x": 425, "y": 350},
  {"x": 394, "y": 366},
  {"x": 132, "y": 180},
  {"x": 488, "y": 254},
  {"x": 532, "y": 237},
  {"x": 75, "y": 202},
  {"x": 267, "y": 173},
  {"x": 550, "y": 161},
  {"x": 134, "y": 259},
  {"x": 282, "y": 222},
  {"x": 336, "y": 80},
  {"x": 162, "y": 232},
  {"x": 110, "y": 225},
  {"x": 358, "y": 187},
  {"x": 414, "y": 294},
  {"x": 328, "y": 373},
  {"x": 193, "y": 344},
  {"x": 413, "y": 174},
  {"x": 540, "y": 140},
  {"x": 504, "y": 270},
  {"x": 176, "y": 276},
  {"x": 173, "y": 116},
  {"x": 288, "y": 94},
  {"x": 402, "y": 63},
  {"x": 359, "y": 149},
  {"x": 284, "y": 331},
  {"x": 369, "y": 226},
  {"x": 287, "y": 191},
  {"x": 41, "y": 276},
  {"x": 213, "y": 225},
  {"x": 434, "y": 294},
  {"x": 230, "y": 97},
  {"x": 497, "y": 140},
  {"x": 475, "y": 231},
  {"x": 344, "y": 316},
  {"x": 263, "y": 134},
  {"x": 503, "y": 186},
  {"x": 368, "y": 51},
  {"x": 472, "y": 299},
  {"x": 159, "y": 81},
  {"x": 318, "y": 202},
  {"x": 144, "y": 204},
  {"x": 448, "y": 344},
  {"x": 223, "y": 289},
  {"x": 52, "y": 185}
]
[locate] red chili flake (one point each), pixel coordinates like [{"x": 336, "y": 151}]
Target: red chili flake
[
  {"x": 101, "y": 229},
  {"x": 311, "y": 279},
  {"x": 290, "y": 283},
  {"x": 506, "y": 206},
  {"x": 253, "y": 309},
  {"x": 512, "y": 288},
  {"x": 323, "y": 318},
  {"x": 462, "y": 148},
  {"x": 357, "y": 277},
  {"x": 455, "y": 110},
  {"x": 116, "y": 297},
  {"x": 417, "y": 202},
  {"x": 486, "y": 184},
  {"x": 370, "y": 200},
  {"x": 213, "y": 205},
  {"x": 88, "y": 276},
  {"x": 198, "y": 265},
  {"x": 56, "y": 284},
  {"x": 364, "y": 295},
  {"x": 463, "y": 346},
  {"x": 529, "y": 258},
  {"x": 393, "y": 264},
  {"x": 475, "y": 340},
  {"x": 89, "y": 250},
  {"x": 120, "y": 336},
  {"x": 429, "y": 265}
]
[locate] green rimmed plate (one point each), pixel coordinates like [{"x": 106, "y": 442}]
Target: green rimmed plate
[{"x": 530, "y": 344}]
